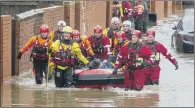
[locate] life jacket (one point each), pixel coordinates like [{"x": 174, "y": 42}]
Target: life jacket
[
  {"x": 64, "y": 57},
  {"x": 39, "y": 52},
  {"x": 119, "y": 45},
  {"x": 156, "y": 54},
  {"x": 97, "y": 45},
  {"x": 57, "y": 35},
  {"x": 111, "y": 35},
  {"x": 128, "y": 35},
  {"x": 133, "y": 60},
  {"x": 139, "y": 10},
  {"x": 116, "y": 10},
  {"x": 83, "y": 49},
  {"x": 125, "y": 9}
]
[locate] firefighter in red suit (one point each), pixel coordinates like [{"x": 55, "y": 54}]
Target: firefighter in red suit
[
  {"x": 127, "y": 10},
  {"x": 135, "y": 56},
  {"x": 100, "y": 44},
  {"x": 152, "y": 76}
]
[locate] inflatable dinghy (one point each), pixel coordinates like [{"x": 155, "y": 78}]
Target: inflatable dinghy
[{"x": 98, "y": 78}]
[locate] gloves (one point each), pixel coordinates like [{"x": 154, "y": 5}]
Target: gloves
[
  {"x": 176, "y": 66},
  {"x": 112, "y": 58},
  {"x": 145, "y": 64},
  {"x": 115, "y": 71},
  {"x": 19, "y": 55},
  {"x": 92, "y": 57},
  {"x": 49, "y": 50}
]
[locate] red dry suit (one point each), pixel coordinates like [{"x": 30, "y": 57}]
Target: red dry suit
[
  {"x": 127, "y": 9},
  {"x": 100, "y": 46},
  {"x": 132, "y": 56},
  {"x": 152, "y": 75}
]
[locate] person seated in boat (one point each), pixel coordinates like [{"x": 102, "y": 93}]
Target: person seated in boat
[
  {"x": 85, "y": 46},
  {"x": 63, "y": 53},
  {"x": 56, "y": 34},
  {"x": 111, "y": 31},
  {"x": 126, "y": 27},
  {"x": 39, "y": 56},
  {"x": 135, "y": 56},
  {"x": 101, "y": 46}
]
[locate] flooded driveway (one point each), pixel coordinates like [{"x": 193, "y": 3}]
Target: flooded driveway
[{"x": 176, "y": 88}]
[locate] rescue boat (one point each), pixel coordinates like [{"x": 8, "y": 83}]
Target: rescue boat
[{"x": 98, "y": 78}]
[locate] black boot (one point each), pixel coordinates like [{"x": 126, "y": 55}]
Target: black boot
[
  {"x": 138, "y": 88},
  {"x": 69, "y": 85},
  {"x": 38, "y": 79},
  {"x": 127, "y": 88},
  {"x": 154, "y": 82}
]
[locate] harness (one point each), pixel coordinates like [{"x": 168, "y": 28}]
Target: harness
[
  {"x": 139, "y": 11},
  {"x": 111, "y": 35},
  {"x": 116, "y": 10},
  {"x": 39, "y": 52},
  {"x": 120, "y": 45},
  {"x": 133, "y": 61},
  {"x": 156, "y": 55},
  {"x": 64, "y": 57},
  {"x": 57, "y": 35},
  {"x": 97, "y": 45},
  {"x": 125, "y": 10},
  {"x": 128, "y": 35},
  {"x": 83, "y": 48}
]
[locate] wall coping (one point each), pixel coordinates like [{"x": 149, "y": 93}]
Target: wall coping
[{"x": 28, "y": 14}]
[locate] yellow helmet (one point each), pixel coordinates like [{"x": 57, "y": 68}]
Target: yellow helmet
[{"x": 67, "y": 29}]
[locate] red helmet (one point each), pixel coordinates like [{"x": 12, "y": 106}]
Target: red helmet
[
  {"x": 120, "y": 34},
  {"x": 75, "y": 33},
  {"x": 98, "y": 29},
  {"x": 44, "y": 29},
  {"x": 150, "y": 32},
  {"x": 137, "y": 33}
]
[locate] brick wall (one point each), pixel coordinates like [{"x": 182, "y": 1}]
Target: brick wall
[
  {"x": 52, "y": 15},
  {"x": 27, "y": 25},
  {"x": 94, "y": 14},
  {"x": 6, "y": 33}
]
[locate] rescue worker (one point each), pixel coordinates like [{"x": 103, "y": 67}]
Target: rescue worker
[
  {"x": 64, "y": 52},
  {"x": 120, "y": 35},
  {"x": 127, "y": 10},
  {"x": 85, "y": 46},
  {"x": 39, "y": 45},
  {"x": 110, "y": 32},
  {"x": 145, "y": 21},
  {"x": 135, "y": 57},
  {"x": 117, "y": 9},
  {"x": 101, "y": 46},
  {"x": 56, "y": 35},
  {"x": 153, "y": 74},
  {"x": 121, "y": 41},
  {"x": 138, "y": 14},
  {"x": 127, "y": 29}
]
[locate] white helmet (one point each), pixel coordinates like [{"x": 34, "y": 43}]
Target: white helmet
[
  {"x": 61, "y": 23},
  {"x": 115, "y": 20},
  {"x": 126, "y": 22}
]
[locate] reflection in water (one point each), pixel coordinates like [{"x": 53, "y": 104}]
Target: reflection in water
[{"x": 22, "y": 91}]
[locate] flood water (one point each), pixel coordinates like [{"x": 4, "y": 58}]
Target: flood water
[{"x": 176, "y": 88}]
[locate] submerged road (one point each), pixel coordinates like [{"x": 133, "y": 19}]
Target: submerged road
[{"x": 176, "y": 87}]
